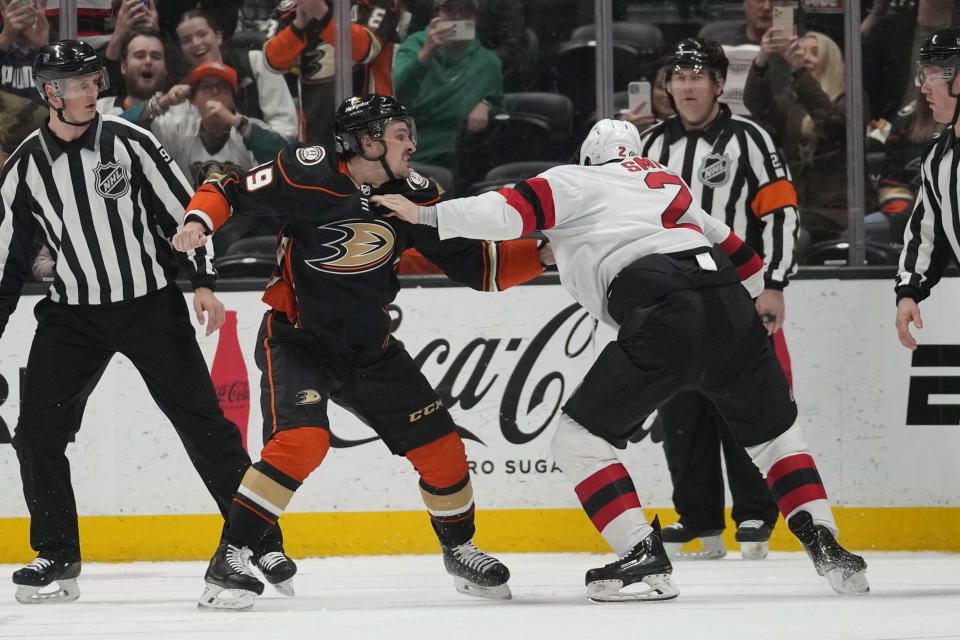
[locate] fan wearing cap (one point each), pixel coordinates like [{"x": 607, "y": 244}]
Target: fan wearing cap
[
  {"x": 209, "y": 135},
  {"x": 449, "y": 79},
  {"x": 929, "y": 242}
]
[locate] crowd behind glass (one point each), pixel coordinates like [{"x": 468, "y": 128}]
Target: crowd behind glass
[{"x": 500, "y": 89}]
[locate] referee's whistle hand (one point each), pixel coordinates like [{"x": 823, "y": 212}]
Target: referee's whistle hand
[
  {"x": 908, "y": 311},
  {"x": 192, "y": 235},
  {"x": 205, "y": 302}
]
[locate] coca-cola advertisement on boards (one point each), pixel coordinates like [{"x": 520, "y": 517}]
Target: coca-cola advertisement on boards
[{"x": 229, "y": 375}]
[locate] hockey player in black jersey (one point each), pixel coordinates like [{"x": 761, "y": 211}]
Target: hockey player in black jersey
[{"x": 327, "y": 334}]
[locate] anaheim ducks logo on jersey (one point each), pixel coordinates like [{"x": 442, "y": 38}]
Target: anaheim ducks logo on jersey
[{"x": 355, "y": 246}]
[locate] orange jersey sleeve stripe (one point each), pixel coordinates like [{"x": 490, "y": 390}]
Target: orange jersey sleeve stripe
[
  {"x": 209, "y": 200},
  {"x": 362, "y": 40},
  {"x": 773, "y": 196},
  {"x": 282, "y": 50},
  {"x": 519, "y": 262}
]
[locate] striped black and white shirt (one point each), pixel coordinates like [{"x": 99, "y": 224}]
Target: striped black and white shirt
[
  {"x": 932, "y": 237},
  {"x": 105, "y": 205},
  {"x": 737, "y": 175}
]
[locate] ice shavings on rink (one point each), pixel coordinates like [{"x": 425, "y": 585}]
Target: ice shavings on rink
[{"x": 913, "y": 596}]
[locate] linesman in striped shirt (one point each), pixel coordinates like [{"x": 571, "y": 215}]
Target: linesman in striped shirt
[
  {"x": 105, "y": 198},
  {"x": 932, "y": 237},
  {"x": 737, "y": 175}
]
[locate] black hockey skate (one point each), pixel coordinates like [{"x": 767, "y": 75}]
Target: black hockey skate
[
  {"x": 676, "y": 535},
  {"x": 33, "y": 579},
  {"x": 847, "y": 572},
  {"x": 475, "y": 573},
  {"x": 278, "y": 569},
  {"x": 230, "y": 582},
  {"x": 754, "y": 539},
  {"x": 647, "y": 563}
]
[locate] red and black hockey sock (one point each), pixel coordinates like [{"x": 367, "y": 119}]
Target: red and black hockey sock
[
  {"x": 451, "y": 511},
  {"x": 607, "y": 494},
  {"x": 795, "y": 484},
  {"x": 263, "y": 494}
]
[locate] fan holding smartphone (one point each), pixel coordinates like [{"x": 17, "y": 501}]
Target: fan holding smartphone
[
  {"x": 24, "y": 25},
  {"x": 647, "y": 103}
]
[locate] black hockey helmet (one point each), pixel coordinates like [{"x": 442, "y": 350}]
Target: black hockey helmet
[
  {"x": 368, "y": 115},
  {"x": 942, "y": 49},
  {"x": 698, "y": 53},
  {"x": 66, "y": 59}
]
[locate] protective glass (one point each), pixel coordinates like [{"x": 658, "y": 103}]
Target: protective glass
[
  {"x": 934, "y": 74},
  {"x": 84, "y": 85}
]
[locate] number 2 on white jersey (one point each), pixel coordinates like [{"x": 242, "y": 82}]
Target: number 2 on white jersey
[{"x": 680, "y": 203}]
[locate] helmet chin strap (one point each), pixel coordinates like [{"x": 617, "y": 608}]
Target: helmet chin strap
[
  {"x": 382, "y": 159},
  {"x": 72, "y": 124}
]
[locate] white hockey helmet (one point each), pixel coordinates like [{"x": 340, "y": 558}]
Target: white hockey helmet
[{"x": 610, "y": 140}]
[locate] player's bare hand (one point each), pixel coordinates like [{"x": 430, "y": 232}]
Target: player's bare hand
[
  {"x": 400, "y": 206},
  {"x": 192, "y": 235},
  {"x": 771, "y": 307},
  {"x": 908, "y": 311},
  {"x": 204, "y": 302},
  {"x": 545, "y": 253}
]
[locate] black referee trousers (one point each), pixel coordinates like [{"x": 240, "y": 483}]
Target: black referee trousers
[
  {"x": 694, "y": 435},
  {"x": 70, "y": 351}
]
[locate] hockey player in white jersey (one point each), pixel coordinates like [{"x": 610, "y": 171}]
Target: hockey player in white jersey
[{"x": 633, "y": 248}]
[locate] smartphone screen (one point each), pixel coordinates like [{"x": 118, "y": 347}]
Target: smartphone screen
[
  {"x": 462, "y": 29},
  {"x": 638, "y": 92},
  {"x": 783, "y": 20}
]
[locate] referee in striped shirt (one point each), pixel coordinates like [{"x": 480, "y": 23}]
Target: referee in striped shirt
[
  {"x": 737, "y": 175},
  {"x": 932, "y": 237},
  {"x": 105, "y": 198}
]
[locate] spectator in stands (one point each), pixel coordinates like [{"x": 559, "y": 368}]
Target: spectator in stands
[
  {"x": 501, "y": 27},
  {"x": 758, "y": 18},
  {"x": 209, "y": 137},
  {"x": 449, "y": 84},
  {"x": 899, "y": 178},
  {"x": 660, "y": 107},
  {"x": 25, "y": 29},
  {"x": 19, "y": 117},
  {"x": 806, "y": 111},
  {"x": 143, "y": 73},
  {"x": 890, "y": 47},
  {"x": 304, "y": 36},
  {"x": 261, "y": 93},
  {"x": 223, "y": 13},
  {"x": 130, "y": 18}
]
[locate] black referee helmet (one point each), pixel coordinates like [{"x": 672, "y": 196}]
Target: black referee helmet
[
  {"x": 62, "y": 60},
  {"x": 942, "y": 49},
  {"x": 698, "y": 53}
]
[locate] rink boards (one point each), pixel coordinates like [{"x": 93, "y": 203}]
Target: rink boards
[{"x": 882, "y": 423}]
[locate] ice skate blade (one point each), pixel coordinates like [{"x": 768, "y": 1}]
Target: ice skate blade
[
  {"x": 217, "y": 598},
  {"x": 285, "y": 588},
  {"x": 62, "y": 591},
  {"x": 713, "y": 549},
  {"x": 660, "y": 588},
  {"x": 467, "y": 588},
  {"x": 754, "y": 550},
  {"x": 854, "y": 585}
]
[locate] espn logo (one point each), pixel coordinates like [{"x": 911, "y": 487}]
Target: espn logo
[{"x": 935, "y": 399}]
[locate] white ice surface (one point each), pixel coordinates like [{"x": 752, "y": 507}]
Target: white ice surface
[{"x": 913, "y": 596}]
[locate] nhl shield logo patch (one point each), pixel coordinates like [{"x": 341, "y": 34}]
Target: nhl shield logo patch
[
  {"x": 111, "y": 179},
  {"x": 715, "y": 170}
]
